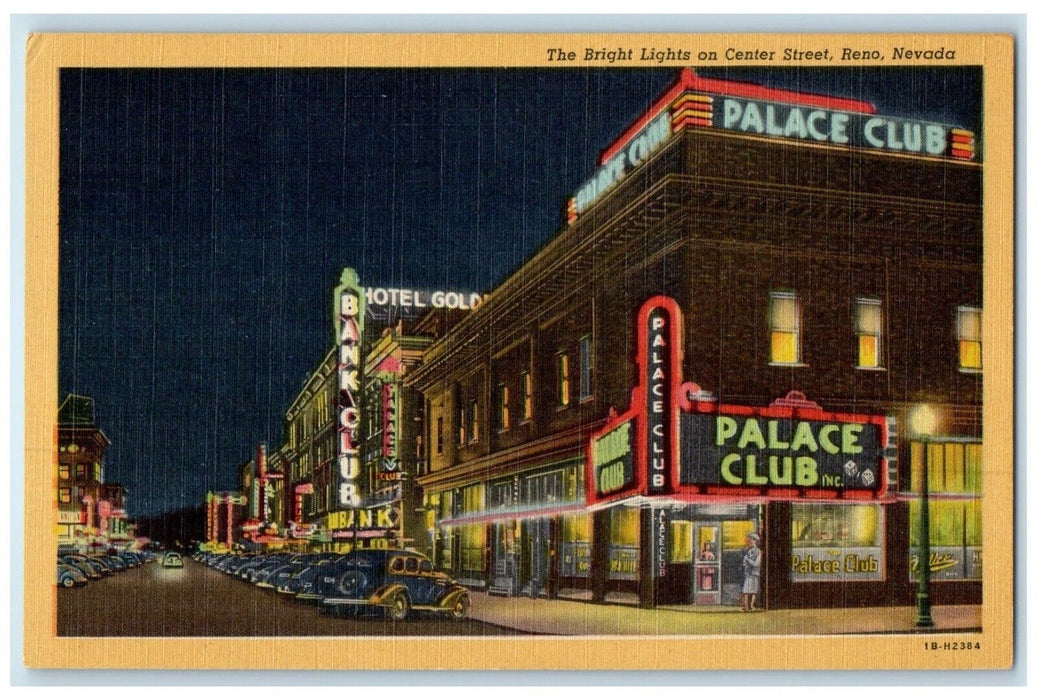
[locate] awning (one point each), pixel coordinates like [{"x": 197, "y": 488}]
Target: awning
[{"x": 514, "y": 514}]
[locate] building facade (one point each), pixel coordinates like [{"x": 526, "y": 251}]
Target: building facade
[
  {"x": 91, "y": 514},
  {"x": 748, "y": 299}
]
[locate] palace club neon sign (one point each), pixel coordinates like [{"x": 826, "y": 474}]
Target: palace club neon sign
[
  {"x": 634, "y": 453},
  {"x": 349, "y": 324},
  {"x": 673, "y": 441}
]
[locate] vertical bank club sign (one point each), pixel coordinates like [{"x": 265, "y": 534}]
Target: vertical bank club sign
[
  {"x": 634, "y": 453},
  {"x": 349, "y": 325}
]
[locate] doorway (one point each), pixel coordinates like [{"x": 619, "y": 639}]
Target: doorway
[{"x": 707, "y": 577}]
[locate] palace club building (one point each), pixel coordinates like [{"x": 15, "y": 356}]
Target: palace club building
[{"x": 750, "y": 297}]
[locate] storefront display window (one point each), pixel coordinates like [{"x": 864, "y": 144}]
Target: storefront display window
[
  {"x": 624, "y": 531},
  {"x": 575, "y": 545},
  {"x": 542, "y": 488},
  {"x": 955, "y": 513},
  {"x": 836, "y": 542},
  {"x": 680, "y": 542},
  {"x": 473, "y": 544}
]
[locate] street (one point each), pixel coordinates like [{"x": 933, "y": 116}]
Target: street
[{"x": 198, "y": 601}]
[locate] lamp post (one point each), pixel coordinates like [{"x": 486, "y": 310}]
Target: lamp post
[{"x": 923, "y": 422}]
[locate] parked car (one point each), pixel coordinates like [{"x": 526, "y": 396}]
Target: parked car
[
  {"x": 80, "y": 562},
  {"x": 172, "y": 560},
  {"x": 394, "y": 582},
  {"x": 303, "y": 585},
  {"x": 69, "y": 576}
]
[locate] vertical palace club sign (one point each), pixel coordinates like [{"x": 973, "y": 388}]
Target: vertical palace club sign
[
  {"x": 349, "y": 325},
  {"x": 635, "y": 450},
  {"x": 676, "y": 440}
]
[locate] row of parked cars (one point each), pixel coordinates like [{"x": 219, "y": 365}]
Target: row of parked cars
[
  {"x": 78, "y": 569},
  {"x": 390, "y": 582}
]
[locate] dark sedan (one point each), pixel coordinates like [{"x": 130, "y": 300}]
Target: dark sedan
[{"x": 394, "y": 582}]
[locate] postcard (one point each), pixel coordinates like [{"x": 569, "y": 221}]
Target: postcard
[{"x": 509, "y": 351}]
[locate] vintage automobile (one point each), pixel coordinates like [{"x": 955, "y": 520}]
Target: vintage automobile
[
  {"x": 394, "y": 582},
  {"x": 172, "y": 560},
  {"x": 69, "y": 576}
]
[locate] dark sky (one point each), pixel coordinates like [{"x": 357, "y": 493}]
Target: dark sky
[{"x": 205, "y": 216}]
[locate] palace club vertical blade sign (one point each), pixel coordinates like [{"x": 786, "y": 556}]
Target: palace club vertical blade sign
[
  {"x": 635, "y": 451},
  {"x": 677, "y": 441}
]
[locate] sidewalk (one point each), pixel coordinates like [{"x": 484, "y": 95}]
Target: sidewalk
[{"x": 567, "y": 617}]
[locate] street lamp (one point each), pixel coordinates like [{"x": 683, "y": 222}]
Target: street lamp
[{"x": 923, "y": 423}]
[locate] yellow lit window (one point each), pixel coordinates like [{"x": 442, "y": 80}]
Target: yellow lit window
[
  {"x": 527, "y": 396},
  {"x": 576, "y": 528},
  {"x": 473, "y": 419},
  {"x": 784, "y": 321},
  {"x": 64, "y": 495},
  {"x": 680, "y": 542},
  {"x": 970, "y": 340},
  {"x": 505, "y": 413},
  {"x": 869, "y": 333},
  {"x": 625, "y": 526},
  {"x": 562, "y": 368}
]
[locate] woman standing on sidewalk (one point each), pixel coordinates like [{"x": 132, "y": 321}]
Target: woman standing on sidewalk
[{"x": 751, "y": 572}]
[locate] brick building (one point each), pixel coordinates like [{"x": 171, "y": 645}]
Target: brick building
[{"x": 748, "y": 299}]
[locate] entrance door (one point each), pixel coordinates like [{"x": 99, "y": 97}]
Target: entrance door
[
  {"x": 539, "y": 532},
  {"x": 505, "y": 559},
  {"x": 706, "y": 579}
]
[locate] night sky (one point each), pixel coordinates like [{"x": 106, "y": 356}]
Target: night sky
[{"x": 205, "y": 216}]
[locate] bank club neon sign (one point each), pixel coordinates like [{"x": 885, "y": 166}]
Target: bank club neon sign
[
  {"x": 348, "y": 304},
  {"x": 672, "y": 441}
]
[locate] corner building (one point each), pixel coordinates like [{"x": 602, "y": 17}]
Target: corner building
[{"x": 749, "y": 297}]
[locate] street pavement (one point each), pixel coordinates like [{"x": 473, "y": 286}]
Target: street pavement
[
  {"x": 571, "y": 617},
  {"x": 198, "y": 601}
]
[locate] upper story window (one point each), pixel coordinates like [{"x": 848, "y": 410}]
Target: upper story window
[
  {"x": 526, "y": 380},
  {"x": 503, "y": 410},
  {"x": 80, "y": 471},
  {"x": 439, "y": 435},
  {"x": 473, "y": 421},
  {"x": 868, "y": 326},
  {"x": 63, "y": 472},
  {"x": 585, "y": 367},
  {"x": 784, "y": 324},
  {"x": 64, "y": 495},
  {"x": 970, "y": 339},
  {"x": 562, "y": 379}
]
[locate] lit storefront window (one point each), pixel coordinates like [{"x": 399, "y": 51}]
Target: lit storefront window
[
  {"x": 576, "y": 546},
  {"x": 784, "y": 323},
  {"x": 970, "y": 338},
  {"x": 624, "y": 541},
  {"x": 473, "y": 544},
  {"x": 955, "y": 512},
  {"x": 836, "y": 542},
  {"x": 680, "y": 542},
  {"x": 869, "y": 333}
]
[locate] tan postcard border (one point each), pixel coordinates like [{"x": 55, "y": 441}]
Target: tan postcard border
[{"x": 46, "y": 53}]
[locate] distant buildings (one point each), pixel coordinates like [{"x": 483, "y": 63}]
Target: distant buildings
[{"x": 91, "y": 514}]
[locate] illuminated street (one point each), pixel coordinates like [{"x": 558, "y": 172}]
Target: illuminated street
[{"x": 198, "y": 601}]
